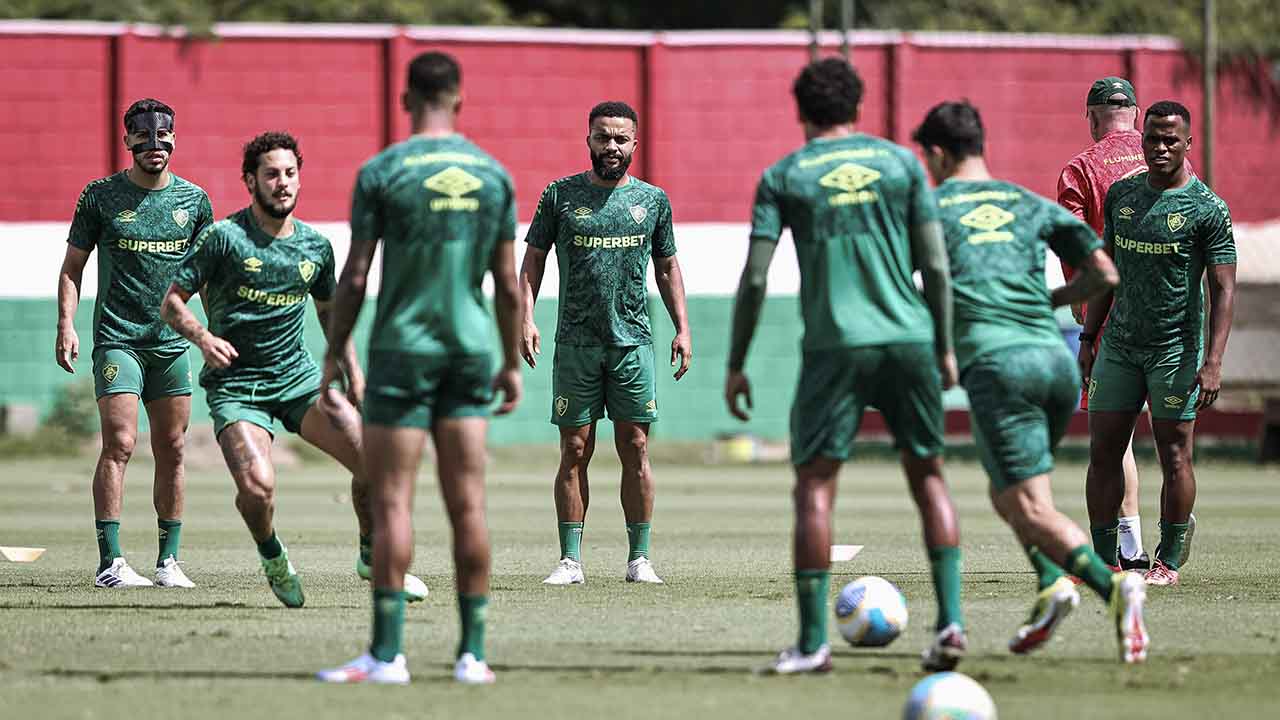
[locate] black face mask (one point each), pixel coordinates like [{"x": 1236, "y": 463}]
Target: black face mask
[{"x": 151, "y": 123}]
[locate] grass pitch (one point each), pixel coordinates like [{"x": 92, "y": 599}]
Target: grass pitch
[{"x": 606, "y": 649}]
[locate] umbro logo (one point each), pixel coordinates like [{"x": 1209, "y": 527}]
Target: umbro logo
[
  {"x": 1126, "y": 213},
  {"x": 1173, "y": 401},
  {"x": 582, "y": 212},
  {"x": 252, "y": 265},
  {"x": 126, "y": 216}
]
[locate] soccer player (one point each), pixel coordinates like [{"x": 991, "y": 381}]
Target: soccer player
[
  {"x": 445, "y": 212},
  {"x": 1164, "y": 228},
  {"x": 863, "y": 219},
  {"x": 254, "y": 271},
  {"x": 1111, "y": 107},
  {"x": 1015, "y": 367},
  {"x": 142, "y": 221},
  {"x": 604, "y": 225}
]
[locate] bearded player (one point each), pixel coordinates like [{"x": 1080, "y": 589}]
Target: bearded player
[
  {"x": 604, "y": 225},
  {"x": 141, "y": 221},
  {"x": 254, "y": 271},
  {"x": 1167, "y": 231}
]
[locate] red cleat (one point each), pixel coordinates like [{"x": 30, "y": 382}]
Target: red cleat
[{"x": 1161, "y": 574}]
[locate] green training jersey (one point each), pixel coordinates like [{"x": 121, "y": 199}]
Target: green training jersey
[
  {"x": 851, "y": 203},
  {"x": 141, "y": 236},
  {"x": 1161, "y": 242},
  {"x": 254, "y": 288},
  {"x": 603, "y": 239},
  {"x": 440, "y": 207},
  {"x": 997, "y": 233}
]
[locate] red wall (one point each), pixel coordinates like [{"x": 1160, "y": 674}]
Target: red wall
[{"x": 713, "y": 116}]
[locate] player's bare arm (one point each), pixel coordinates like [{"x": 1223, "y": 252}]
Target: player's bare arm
[
  {"x": 174, "y": 311},
  {"x": 1222, "y": 301},
  {"x": 351, "y": 375},
  {"x": 508, "y": 302},
  {"x": 531, "y": 272},
  {"x": 67, "y": 346},
  {"x": 671, "y": 287},
  {"x": 341, "y": 315},
  {"x": 752, "y": 287},
  {"x": 1096, "y": 275},
  {"x": 929, "y": 255}
]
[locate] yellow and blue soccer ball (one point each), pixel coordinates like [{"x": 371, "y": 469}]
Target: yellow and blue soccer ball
[
  {"x": 949, "y": 696},
  {"x": 871, "y": 612}
]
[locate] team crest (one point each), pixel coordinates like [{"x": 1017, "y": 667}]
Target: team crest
[
  {"x": 253, "y": 265},
  {"x": 109, "y": 372},
  {"x": 639, "y": 213},
  {"x": 307, "y": 270},
  {"x": 582, "y": 212},
  {"x": 181, "y": 217},
  {"x": 562, "y": 405},
  {"x": 1176, "y": 221}
]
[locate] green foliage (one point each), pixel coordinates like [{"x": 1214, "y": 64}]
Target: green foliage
[{"x": 74, "y": 411}]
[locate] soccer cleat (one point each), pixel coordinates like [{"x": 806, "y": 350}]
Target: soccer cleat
[
  {"x": 1053, "y": 605},
  {"x": 1128, "y": 594},
  {"x": 1161, "y": 574},
  {"x": 567, "y": 572},
  {"x": 792, "y": 662},
  {"x": 168, "y": 574},
  {"x": 470, "y": 671},
  {"x": 119, "y": 575},
  {"x": 368, "y": 669},
  {"x": 949, "y": 645},
  {"x": 1142, "y": 563},
  {"x": 414, "y": 589},
  {"x": 283, "y": 579},
  {"x": 641, "y": 570},
  {"x": 1186, "y": 540}
]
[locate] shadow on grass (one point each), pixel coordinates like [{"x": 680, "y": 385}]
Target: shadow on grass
[
  {"x": 104, "y": 676},
  {"x": 171, "y": 606}
]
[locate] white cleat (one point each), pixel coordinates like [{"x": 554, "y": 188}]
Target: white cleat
[
  {"x": 120, "y": 575},
  {"x": 1128, "y": 596},
  {"x": 168, "y": 574},
  {"x": 792, "y": 662},
  {"x": 368, "y": 669},
  {"x": 568, "y": 572},
  {"x": 414, "y": 589},
  {"x": 470, "y": 671},
  {"x": 641, "y": 570}
]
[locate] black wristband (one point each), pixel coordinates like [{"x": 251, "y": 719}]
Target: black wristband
[{"x": 1087, "y": 338}]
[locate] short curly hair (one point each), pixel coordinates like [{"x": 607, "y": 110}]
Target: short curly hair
[
  {"x": 953, "y": 126},
  {"x": 614, "y": 109},
  {"x": 265, "y": 143},
  {"x": 828, "y": 92}
]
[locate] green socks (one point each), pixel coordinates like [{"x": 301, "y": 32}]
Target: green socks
[
  {"x": 366, "y": 550},
  {"x": 944, "y": 561},
  {"x": 388, "y": 623},
  {"x": 1172, "y": 538},
  {"x": 1106, "y": 541},
  {"x": 270, "y": 548},
  {"x": 637, "y": 540},
  {"x": 571, "y": 541},
  {"x": 812, "y": 588},
  {"x": 170, "y": 538},
  {"x": 1047, "y": 571},
  {"x": 471, "y": 610},
  {"x": 1085, "y": 564},
  {"x": 108, "y": 542}
]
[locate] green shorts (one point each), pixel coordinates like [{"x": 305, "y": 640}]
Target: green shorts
[
  {"x": 413, "y": 390},
  {"x": 149, "y": 374},
  {"x": 586, "y": 380},
  {"x": 1124, "y": 378},
  {"x": 262, "y": 401},
  {"x": 1020, "y": 399},
  {"x": 837, "y": 385}
]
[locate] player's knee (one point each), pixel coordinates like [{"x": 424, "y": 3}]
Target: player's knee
[
  {"x": 117, "y": 446},
  {"x": 574, "y": 451},
  {"x": 169, "y": 447},
  {"x": 254, "y": 494}
]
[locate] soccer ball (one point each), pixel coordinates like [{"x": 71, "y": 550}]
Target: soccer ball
[
  {"x": 870, "y": 612},
  {"x": 949, "y": 696}
]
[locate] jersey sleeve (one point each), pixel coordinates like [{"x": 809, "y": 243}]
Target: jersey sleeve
[
  {"x": 1071, "y": 191},
  {"x": 201, "y": 263},
  {"x": 327, "y": 283},
  {"x": 1108, "y": 230},
  {"x": 86, "y": 224},
  {"x": 204, "y": 216},
  {"x": 543, "y": 228},
  {"x": 924, "y": 206},
  {"x": 1217, "y": 235},
  {"x": 664, "y": 237},
  {"x": 507, "y": 230},
  {"x": 766, "y": 212},
  {"x": 1069, "y": 238},
  {"x": 366, "y": 207}
]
